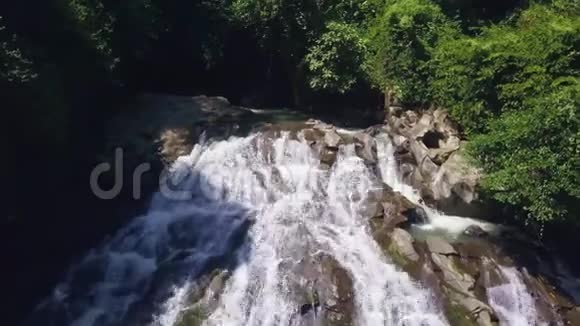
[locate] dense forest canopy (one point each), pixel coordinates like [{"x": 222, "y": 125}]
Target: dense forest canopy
[{"x": 508, "y": 71}]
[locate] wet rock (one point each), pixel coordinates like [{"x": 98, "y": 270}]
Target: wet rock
[
  {"x": 401, "y": 143},
  {"x": 203, "y": 299},
  {"x": 328, "y": 156},
  {"x": 332, "y": 139},
  {"x": 572, "y": 316},
  {"x": 444, "y": 257},
  {"x": 551, "y": 306},
  {"x": 475, "y": 231},
  {"x": 174, "y": 143},
  {"x": 365, "y": 147},
  {"x": 403, "y": 150},
  {"x": 440, "y": 155},
  {"x": 407, "y": 169},
  {"x": 452, "y": 276},
  {"x": 396, "y": 208},
  {"x": 325, "y": 291},
  {"x": 443, "y": 124},
  {"x": 417, "y": 215},
  {"x": 317, "y": 124},
  {"x": 457, "y": 315},
  {"x": 194, "y": 316},
  {"x": 402, "y": 244},
  {"x": 165, "y": 127},
  {"x": 456, "y": 178},
  {"x": 215, "y": 288},
  {"x": 312, "y": 136},
  {"x": 437, "y": 245},
  {"x": 425, "y": 165},
  {"x": 405, "y": 158},
  {"x": 477, "y": 310}
]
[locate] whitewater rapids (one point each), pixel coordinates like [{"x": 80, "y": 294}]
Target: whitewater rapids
[{"x": 301, "y": 209}]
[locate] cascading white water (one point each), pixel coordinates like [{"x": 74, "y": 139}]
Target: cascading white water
[
  {"x": 173, "y": 242},
  {"x": 511, "y": 301},
  {"x": 301, "y": 210},
  {"x": 260, "y": 203}
]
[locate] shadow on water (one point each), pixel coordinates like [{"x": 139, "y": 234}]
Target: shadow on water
[{"x": 189, "y": 231}]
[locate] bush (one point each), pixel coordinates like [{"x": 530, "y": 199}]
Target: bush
[
  {"x": 402, "y": 41},
  {"x": 478, "y": 78},
  {"x": 531, "y": 156},
  {"x": 515, "y": 89},
  {"x": 336, "y": 60},
  {"x": 15, "y": 66}
]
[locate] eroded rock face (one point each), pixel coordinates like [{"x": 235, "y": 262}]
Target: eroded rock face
[
  {"x": 391, "y": 209},
  {"x": 428, "y": 145}
]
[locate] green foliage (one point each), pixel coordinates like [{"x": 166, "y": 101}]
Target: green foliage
[
  {"x": 402, "y": 40},
  {"x": 531, "y": 155},
  {"x": 336, "y": 60},
  {"x": 458, "y": 83},
  {"x": 515, "y": 89},
  {"x": 15, "y": 66},
  {"x": 97, "y": 25},
  {"x": 288, "y": 26},
  {"x": 512, "y": 85},
  {"x": 477, "y": 78}
]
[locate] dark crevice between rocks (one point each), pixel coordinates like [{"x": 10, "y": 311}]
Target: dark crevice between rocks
[{"x": 432, "y": 138}]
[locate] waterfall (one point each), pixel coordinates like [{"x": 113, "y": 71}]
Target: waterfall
[
  {"x": 257, "y": 206},
  {"x": 511, "y": 301},
  {"x": 301, "y": 210}
]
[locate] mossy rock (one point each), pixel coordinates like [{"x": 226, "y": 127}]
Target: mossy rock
[
  {"x": 193, "y": 316},
  {"x": 457, "y": 315},
  {"x": 396, "y": 256}
]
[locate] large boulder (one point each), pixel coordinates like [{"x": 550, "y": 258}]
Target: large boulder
[
  {"x": 394, "y": 209},
  {"x": 425, "y": 165},
  {"x": 475, "y": 231},
  {"x": 439, "y": 246},
  {"x": 332, "y": 139},
  {"x": 455, "y": 188},
  {"x": 365, "y": 147},
  {"x": 474, "y": 309},
  {"x": 444, "y": 257},
  {"x": 402, "y": 245},
  {"x": 457, "y": 177},
  {"x": 452, "y": 276},
  {"x": 323, "y": 291}
]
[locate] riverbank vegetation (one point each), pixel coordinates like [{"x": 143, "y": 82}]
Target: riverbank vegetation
[{"x": 508, "y": 71}]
